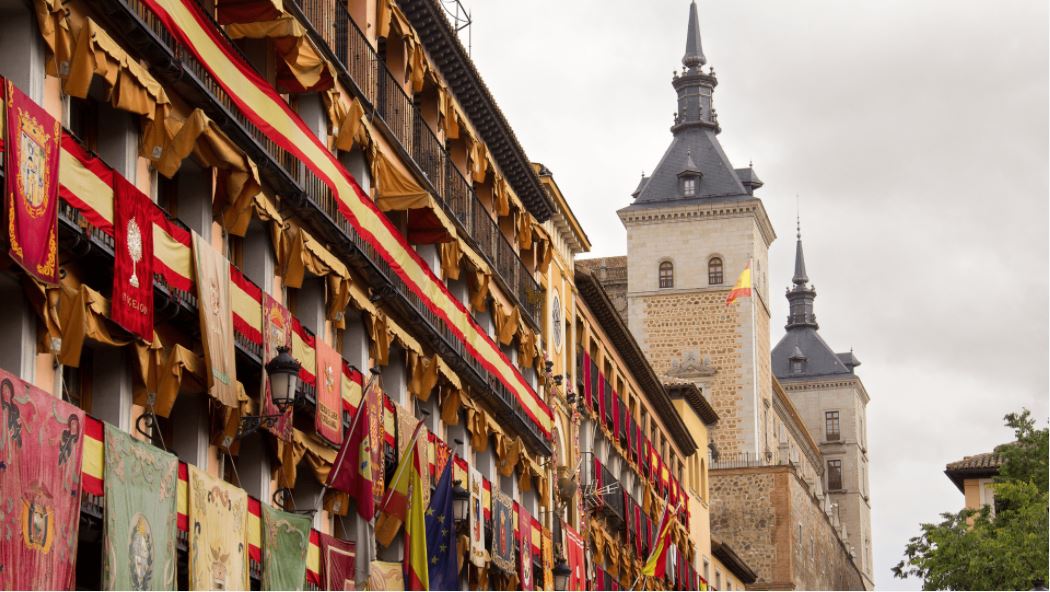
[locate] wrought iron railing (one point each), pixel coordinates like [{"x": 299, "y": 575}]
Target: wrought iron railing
[
  {"x": 318, "y": 194},
  {"x": 383, "y": 92}
]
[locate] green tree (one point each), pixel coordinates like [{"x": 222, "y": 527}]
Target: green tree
[{"x": 974, "y": 550}]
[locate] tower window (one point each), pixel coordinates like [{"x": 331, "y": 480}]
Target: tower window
[
  {"x": 689, "y": 186},
  {"x": 714, "y": 271},
  {"x": 834, "y": 475},
  {"x": 831, "y": 425},
  {"x": 798, "y": 366},
  {"x": 666, "y": 274}
]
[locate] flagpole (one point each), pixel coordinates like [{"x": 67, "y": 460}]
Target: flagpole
[{"x": 754, "y": 352}]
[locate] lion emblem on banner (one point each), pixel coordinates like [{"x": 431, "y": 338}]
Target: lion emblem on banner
[{"x": 33, "y": 173}]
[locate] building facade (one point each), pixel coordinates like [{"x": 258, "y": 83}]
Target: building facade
[{"x": 696, "y": 231}]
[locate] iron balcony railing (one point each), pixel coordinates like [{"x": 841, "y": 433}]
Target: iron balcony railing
[
  {"x": 382, "y": 93},
  {"x": 315, "y": 199}
]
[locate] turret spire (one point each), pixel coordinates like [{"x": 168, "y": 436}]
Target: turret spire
[
  {"x": 694, "y": 52},
  {"x": 801, "y": 296}
]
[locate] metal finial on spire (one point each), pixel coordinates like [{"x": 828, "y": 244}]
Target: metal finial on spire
[
  {"x": 694, "y": 53},
  {"x": 798, "y": 220}
]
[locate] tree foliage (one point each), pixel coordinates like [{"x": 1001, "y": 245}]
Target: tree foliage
[{"x": 976, "y": 550}]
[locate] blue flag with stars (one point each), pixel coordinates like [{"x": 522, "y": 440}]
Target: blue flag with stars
[{"x": 441, "y": 536}]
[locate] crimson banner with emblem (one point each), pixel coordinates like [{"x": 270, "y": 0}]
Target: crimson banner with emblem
[
  {"x": 338, "y": 563},
  {"x": 328, "y": 418},
  {"x": 525, "y": 549},
  {"x": 41, "y": 446},
  {"x": 132, "y": 304},
  {"x": 277, "y": 332},
  {"x": 31, "y": 185}
]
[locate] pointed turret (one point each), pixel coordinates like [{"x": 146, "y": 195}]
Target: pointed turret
[
  {"x": 694, "y": 52},
  {"x": 802, "y": 295},
  {"x": 800, "y": 278}
]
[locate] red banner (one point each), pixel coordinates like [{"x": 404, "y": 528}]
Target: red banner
[
  {"x": 31, "y": 185},
  {"x": 132, "y": 305},
  {"x": 41, "y": 444},
  {"x": 328, "y": 418},
  {"x": 574, "y": 555},
  {"x": 337, "y": 563},
  {"x": 525, "y": 549},
  {"x": 276, "y": 332}
]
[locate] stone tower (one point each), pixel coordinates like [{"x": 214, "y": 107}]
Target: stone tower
[
  {"x": 693, "y": 226},
  {"x": 831, "y": 399}
]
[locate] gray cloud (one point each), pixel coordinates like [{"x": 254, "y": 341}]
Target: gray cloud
[{"x": 915, "y": 134}]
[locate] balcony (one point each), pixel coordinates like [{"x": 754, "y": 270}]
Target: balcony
[
  {"x": 311, "y": 200},
  {"x": 380, "y": 91}
]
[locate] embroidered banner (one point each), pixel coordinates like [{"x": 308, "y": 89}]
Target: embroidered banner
[
  {"x": 478, "y": 556},
  {"x": 213, "y": 302},
  {"x": 328, "y": 418},
  {"x": 31, "y": 185},
  {"x": 547, "y": 548},
  {"x": 503, "y": 533},
  {"x": 132, "y": 302},
  {"x": 277, "y": 332},
  {"x": 41, "y": 441},
  {"x": 286, "y": 537},
  {"x": 141, "y": 485},
  {"x": 338, "y": 559},
  {"x": 386, "y": 575},
  {"x": 218, "y": 553},
  {"x": 525, "y": 550}
]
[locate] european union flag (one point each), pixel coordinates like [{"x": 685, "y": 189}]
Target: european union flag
[{"x": 441, "y": 536}]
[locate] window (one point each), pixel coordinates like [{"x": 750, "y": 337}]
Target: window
[
  {"x": 666, "y": 275},
  {"x": 834, "y": 475},
  {"x": 798, "y": 366},
  {"x": 689, "y": 186},
  {"x": 831, "y": 426},
  {"x": 714, "y": 271}
]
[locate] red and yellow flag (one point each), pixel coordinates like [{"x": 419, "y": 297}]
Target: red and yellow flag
[
  {"x": 656, "y": 564},
  {"x": 416, "y": 566},
  {"x": 742, "y": 288},
  {"x": 397, "y": 501}
]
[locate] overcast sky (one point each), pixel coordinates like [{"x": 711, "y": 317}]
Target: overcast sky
[{"x": 915, "y": 134}]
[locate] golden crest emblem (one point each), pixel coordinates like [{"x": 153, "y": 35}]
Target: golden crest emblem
[
  {"x": 33, "y": 172},
  {"x": 134, "y": 250}
]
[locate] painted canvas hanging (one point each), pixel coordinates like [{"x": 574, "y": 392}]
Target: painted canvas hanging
[{"x": 41, "y": 445}]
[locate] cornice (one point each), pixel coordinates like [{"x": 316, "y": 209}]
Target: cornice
[{"x": 701, "y": 208}]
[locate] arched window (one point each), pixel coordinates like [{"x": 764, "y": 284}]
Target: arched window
[
  {"x": 714, "y": 271},
  {"x": 666, "y": 274}
]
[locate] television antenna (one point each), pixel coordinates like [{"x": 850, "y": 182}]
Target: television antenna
[{"x": 459, "y": 17}]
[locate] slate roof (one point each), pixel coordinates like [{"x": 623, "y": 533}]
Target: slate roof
[{"x": 719, "y": 178}]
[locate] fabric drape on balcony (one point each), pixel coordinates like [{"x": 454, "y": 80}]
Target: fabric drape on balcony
[
  {"x": 477, "y": 160},
  {"x": 448, "y": 114},
  {"x": 501, "y": 195},
  {"x": 248, "y": 11},
  {"x": 477, "y": 425},
  {"x": 346, "y": 122},
  {"x": 298, "y": 252},
  {"x": 523, "y": 228},
  {"x": 507, "y": 320},
  {"x": 74, "y": 313},
  {"x": 379, "y": 339},
  {"x": 528, "y": 347},
  {"x": 302, "y": 69},
  {"x": 54, "y": 28},
  {"x": 509, "y": 452},
  {"x": 452, "y": 400},
  {"x": 451, "y": 255},
  {"x": 478, "y": 281},
  {"x": 163, "y": 371},
  {"x": 238, "y": 178},
  {"x": 423, "y": 374},
  {"x": 396, "y": 190}
]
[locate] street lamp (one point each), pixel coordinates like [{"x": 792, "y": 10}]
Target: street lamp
[
  {"x": 460, "y": 504},
  {"x": 283, "y": 371},
  {"x": 561, "y": 575}
]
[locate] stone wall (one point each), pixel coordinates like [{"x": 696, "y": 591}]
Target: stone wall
[
  {"x": 769, "y": 517},
  {"x": 699, "y": 323}
]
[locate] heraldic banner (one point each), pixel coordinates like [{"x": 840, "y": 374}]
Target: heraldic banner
[
  {"x": 141, "y": 516},
  {"x": 277, "y": 332},
  {"x": 41, "y": 446},
  {"x": 338, "y": 560},
  {"x": 218, "y": 531},
  {"x": 328, "y": 419},
  {"x": 285, "y": 538},
  {"x": 478, "y": 555},
  {"x": 31, "y": 152},
  {"x": 213, "y": 302},
  {"x": 525, "y": 528},
  {"x": 132, "y": 302},
  {"x": 503, "y": 535},
  {"x": 386, "y": 575}
]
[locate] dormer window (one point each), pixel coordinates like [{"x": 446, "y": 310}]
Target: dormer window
[
  {"x": 689, "y": 186},
  {"x": 689, "y": 183}
]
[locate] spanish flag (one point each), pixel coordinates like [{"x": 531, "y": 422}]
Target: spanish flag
[
  {"x": 742, "y": 288},
  {"x": 656, "y": 564}
]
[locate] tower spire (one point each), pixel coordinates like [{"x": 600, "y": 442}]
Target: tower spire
[
  {"x": 801, "y": 296},
  {"x": 694, "y": 52}
]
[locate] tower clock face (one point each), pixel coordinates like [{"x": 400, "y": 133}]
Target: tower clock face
[{"x": 556, "y": 327}]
